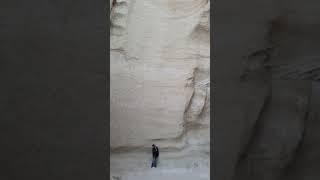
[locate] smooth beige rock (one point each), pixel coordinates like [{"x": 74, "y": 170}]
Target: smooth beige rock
[{"x": 160, "y": 86}]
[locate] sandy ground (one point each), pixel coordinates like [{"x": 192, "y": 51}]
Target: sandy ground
[{"x": 190, "y": 165}]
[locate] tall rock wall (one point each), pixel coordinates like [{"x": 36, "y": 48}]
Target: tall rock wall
[{"x": 159, "y": 69}]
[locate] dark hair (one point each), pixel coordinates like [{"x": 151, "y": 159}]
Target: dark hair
[{"x": 153, "y": 145}]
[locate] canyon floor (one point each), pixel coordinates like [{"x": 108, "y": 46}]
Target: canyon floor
[{"x": 189, "y": 165}]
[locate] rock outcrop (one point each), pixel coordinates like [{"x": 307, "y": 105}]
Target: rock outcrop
[{"x": 160, "y": 88}]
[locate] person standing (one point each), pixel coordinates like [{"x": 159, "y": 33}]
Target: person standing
[{"x": 155, "y": 155}]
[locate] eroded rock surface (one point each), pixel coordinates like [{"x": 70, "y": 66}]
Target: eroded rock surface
[{"x": 160, "y": 67}]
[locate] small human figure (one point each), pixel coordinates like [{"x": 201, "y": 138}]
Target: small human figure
[{"x": 155, "y": 155}]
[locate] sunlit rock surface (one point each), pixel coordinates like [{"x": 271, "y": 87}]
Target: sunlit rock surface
[{"x": 160, "y": 53}]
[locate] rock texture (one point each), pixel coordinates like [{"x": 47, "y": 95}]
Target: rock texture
[
  {"x": 159, "y": 69},
  {"x": 268, "y": 90}
]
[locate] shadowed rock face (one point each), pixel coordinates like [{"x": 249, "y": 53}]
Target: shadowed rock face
[
  {"x": 160, "y": 88},
  {"x": 268, "y": 91}
]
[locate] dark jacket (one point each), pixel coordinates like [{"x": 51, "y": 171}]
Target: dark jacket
[{"x": 155, "y": 151}]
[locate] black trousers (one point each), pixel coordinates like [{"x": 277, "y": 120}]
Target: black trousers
[{"x": 154, "y": 161}]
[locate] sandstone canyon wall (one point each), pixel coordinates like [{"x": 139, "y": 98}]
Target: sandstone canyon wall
[{"x": 160, "y": 88}]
